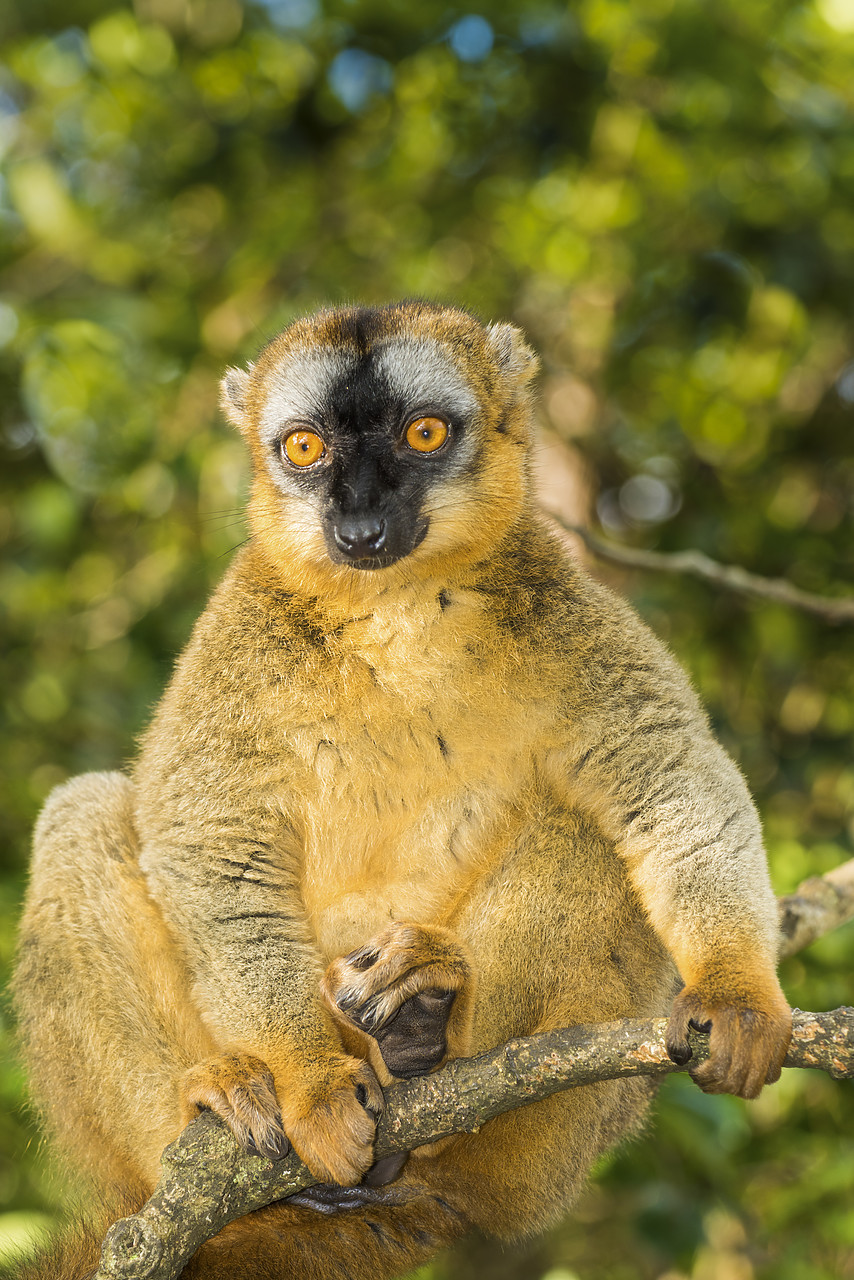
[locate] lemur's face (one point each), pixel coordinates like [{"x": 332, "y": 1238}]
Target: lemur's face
[
  {"x": 363, "y": 439},
  {"x": 383, "y": 435}
]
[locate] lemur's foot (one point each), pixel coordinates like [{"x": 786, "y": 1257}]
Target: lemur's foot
[
  {"x": 240, "y": 1089},
  {"x": 326, "y": 1197},
  {"x": 403, "y": 988},
  {"x": 330, "y": 1110}
]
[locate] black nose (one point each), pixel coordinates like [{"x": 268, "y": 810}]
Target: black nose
[{"x": 360, "y": 537}]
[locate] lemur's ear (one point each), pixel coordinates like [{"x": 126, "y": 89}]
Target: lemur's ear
[
  {"x": 512, "y": 352},
  {"x": 233, "y": 393}
]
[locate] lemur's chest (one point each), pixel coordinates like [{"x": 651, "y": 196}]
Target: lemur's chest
[{"x": 412, "y": 765}]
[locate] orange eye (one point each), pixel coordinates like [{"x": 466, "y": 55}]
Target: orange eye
[
  {"x": 303, "y": 448},
  {"x": 426, "y": 435}
]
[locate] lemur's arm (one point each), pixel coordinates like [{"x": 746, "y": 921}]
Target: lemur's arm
[
  {"x": 643, "y": 759},
  {"x": 222, "y": 861}
]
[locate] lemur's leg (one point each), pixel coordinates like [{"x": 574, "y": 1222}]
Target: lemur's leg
[
  {"x": 120, "y": 1058},
  {"x": 107, "y": 1016}
]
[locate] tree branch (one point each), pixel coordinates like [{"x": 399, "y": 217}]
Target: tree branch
[
  {"x": 733, "y": 577},
  {"x": 208, "y": 1181},
  {"x": 818, "y": 906}
]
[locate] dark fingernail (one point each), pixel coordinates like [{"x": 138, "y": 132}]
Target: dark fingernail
[
  {"x": 362, "y": 1095},
  {"x": 364, "y": 958},
  {"x": 278, "y": 1146},
  {"x": 680, "y": 1053}
]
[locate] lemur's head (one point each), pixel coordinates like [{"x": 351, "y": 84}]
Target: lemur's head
[{"x": 384, "y": 435}]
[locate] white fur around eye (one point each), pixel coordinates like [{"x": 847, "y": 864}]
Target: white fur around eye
[
  {"x": 297, "y": 389},
  {"x": 420, "y": 373}
]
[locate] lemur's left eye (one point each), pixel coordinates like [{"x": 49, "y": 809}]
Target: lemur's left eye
[
  {"x": 426, "y": 435},
  {"x": 302, "y": 448}
]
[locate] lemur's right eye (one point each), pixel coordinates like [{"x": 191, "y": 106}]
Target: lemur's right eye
[{"x": 302, "y": 448}]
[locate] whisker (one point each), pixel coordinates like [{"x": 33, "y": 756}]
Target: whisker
[{"x": 237, "y": 547}]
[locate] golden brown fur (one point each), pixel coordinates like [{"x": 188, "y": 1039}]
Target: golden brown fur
[{"x": 473, "y": 769}]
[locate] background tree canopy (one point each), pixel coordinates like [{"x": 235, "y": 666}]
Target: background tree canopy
[{"x": 662, "y": 193}]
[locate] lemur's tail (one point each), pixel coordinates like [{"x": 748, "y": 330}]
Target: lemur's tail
[
  {"x": 76, "y": 1251},
  {"x": 281, "y": 1242}
]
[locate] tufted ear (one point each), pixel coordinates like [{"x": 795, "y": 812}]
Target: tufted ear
[
  {"x": 233, "y": 393},
  {"x": 511, "y": 351}
]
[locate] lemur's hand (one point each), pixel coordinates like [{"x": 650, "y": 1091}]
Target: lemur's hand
[
  {"x": 327, "y": 1108},
  {"x": 750, "y": 1033},
  {"x": 239, "y": 1088}
]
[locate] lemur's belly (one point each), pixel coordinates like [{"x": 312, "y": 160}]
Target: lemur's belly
[
  {"x": 353, "y": 918},
  {"x": 363, "y": 868},
  {"x": 401, "y": 809}
]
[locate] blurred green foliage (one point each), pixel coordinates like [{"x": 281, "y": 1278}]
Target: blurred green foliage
[{"x": 662, "y": 193}]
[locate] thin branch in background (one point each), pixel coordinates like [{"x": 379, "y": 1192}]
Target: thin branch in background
[
  {"x": 732, "y": 577},
  {"x": 817, "y": 906},
  {"x": 208, "y": 1181}
]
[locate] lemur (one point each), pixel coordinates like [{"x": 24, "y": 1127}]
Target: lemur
[{"x": 418, "y": 785}]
